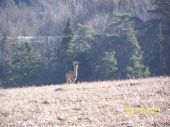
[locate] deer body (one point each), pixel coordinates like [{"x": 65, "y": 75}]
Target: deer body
[{"x": 71, "y": 76}]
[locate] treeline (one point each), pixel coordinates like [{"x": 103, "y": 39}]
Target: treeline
[{"x": 128, "y": 48}]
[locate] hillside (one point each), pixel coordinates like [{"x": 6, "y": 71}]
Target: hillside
[
  {"x": 36, "y": 17},
  {"x": 97, "y": 104}
]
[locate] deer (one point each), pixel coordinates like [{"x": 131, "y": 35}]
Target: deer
[{"x": 71, "y": 76}]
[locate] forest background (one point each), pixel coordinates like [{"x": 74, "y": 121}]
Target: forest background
[{"x": 112, "y": 39}]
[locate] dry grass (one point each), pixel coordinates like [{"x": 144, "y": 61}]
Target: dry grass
[{"x": 96, "y": 104}]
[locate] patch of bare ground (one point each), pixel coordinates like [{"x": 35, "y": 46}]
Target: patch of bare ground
[{"x": 95, "y": 104}]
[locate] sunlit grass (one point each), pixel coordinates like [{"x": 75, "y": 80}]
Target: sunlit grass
[{"x": 87, "y": 104}]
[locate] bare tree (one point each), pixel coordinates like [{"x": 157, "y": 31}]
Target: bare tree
[
  {"x": 18, "y": 20},
  {"x": 99, "y": 22}
]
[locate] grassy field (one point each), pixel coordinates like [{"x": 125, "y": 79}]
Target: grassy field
[{"x": 127, "y": 103}]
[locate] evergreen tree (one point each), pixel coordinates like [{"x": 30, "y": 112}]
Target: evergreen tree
[
  {"x": 135, "y": 66},
  {"x": 162, "y": 21},
  {"x": 24, "y": 67},
  {"x": 161, "y": 10},
  {"x": 84, "y": 40},
  {"x": 83, "y": 46},
  {"x": 67, "y": 44},
  {"x": 107, "y": 67},
  {"x": 65, "y": 52},
  {"x": 2, "y": 56}
]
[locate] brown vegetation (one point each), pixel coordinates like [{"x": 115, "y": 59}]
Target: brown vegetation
[
  {"x": 87, "y": 104},
  {"x": 47, "y": 17}
]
